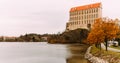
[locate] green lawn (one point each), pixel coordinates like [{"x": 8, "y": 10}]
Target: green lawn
[
  {"x": 115, "y": 47},
  {"x": 107, "y": 55}
]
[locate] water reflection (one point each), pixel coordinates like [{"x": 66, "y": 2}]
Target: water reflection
[
  {"x": 77, "y": 54},
  {"x": 18, "y": 52}
]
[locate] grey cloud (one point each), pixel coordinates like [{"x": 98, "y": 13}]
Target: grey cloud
[{"x": 43, "y": 16}]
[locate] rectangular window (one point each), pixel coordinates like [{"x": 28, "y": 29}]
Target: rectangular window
[{"x": 85, "y": 22}]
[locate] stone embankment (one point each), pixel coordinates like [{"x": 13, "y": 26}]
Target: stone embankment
[{"x": 92, "y": 58}]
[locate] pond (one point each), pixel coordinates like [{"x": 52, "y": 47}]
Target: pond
[{"x": 41, "y": 52}]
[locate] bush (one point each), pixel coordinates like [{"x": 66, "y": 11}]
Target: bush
[{"x": 73, "y": 36}]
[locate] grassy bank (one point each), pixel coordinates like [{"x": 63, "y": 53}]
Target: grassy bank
[
  {"x": 110, "y": 56},
  {"x": 115, "y": 47}
]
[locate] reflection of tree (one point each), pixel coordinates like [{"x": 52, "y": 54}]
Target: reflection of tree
[
  {"x": 77, "y": 52},
  {"x": 76, "y": 59}
]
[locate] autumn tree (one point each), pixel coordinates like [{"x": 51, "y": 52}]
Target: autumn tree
[
  {"x": 118, "y": 37},
  {"x": 96, "y": 36},
  {"x": 103, "y": 30}
]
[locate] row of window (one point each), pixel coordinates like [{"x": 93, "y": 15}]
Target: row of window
[
  {"x": 81, "y": 22},
  {"x": 92, "y": 10},
  {"x": 84, "y": 17}
]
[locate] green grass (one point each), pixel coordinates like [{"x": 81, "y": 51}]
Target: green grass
[
  {"x": 102, "y": 53},
  {"x": 110, "y": 56},
  {"x": 115, "y": 47}
]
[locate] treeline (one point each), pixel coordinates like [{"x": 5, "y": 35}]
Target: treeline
[
  {"x": 32, "y": 38},
  {"x": 26, "y": 38},
  {"x": 73, "y": 36}
]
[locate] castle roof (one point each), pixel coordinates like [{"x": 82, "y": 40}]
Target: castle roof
[{"x": 84, "y": 7}]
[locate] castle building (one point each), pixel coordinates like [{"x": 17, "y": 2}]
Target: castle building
[{"x": 84, "y": 16}]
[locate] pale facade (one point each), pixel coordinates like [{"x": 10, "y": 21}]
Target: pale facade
[
  {"x": 117, "y": 21},
  {"x": 82, "y": 16}
]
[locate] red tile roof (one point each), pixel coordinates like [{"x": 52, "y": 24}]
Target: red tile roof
[{"x": 84, "y": 7}]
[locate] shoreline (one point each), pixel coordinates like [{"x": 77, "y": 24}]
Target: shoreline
[{"x": 92, "y": 58}]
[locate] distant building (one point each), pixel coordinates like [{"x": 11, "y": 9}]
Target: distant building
[
  {"x": 113, "y": 43},
  {"x": 6, "y": 38},
  {"x": 117, "y": 21},
  {"x": 44, "y": 38},
  {"x": 84, "y": 16}
]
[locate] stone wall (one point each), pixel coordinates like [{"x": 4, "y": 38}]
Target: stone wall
[{"x": 92, "y": 58}]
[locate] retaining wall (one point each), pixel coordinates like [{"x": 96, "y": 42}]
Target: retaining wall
[{"x": 92, "y": 58}]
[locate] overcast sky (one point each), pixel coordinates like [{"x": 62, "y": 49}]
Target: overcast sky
[{"x": 18, "y": 17}]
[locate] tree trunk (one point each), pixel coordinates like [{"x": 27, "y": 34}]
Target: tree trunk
[
  {"x": 106, "y": 44},
  {"x": 100, "y": 46},
  {"x": 95, "y": 45}
]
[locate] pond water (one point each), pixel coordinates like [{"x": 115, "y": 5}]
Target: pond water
[{"x": 41, "y": 52}]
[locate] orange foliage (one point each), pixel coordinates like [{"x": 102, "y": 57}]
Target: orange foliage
[{"x": 102, "y": 30}]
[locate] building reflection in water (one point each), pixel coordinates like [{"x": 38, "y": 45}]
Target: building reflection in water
[{"x": 77, "y": 54}]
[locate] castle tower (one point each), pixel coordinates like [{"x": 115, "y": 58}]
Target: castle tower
[{"x": 84, "y": 16}]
